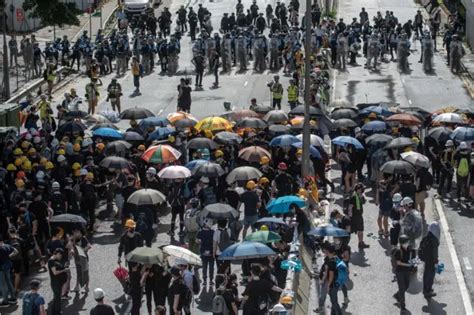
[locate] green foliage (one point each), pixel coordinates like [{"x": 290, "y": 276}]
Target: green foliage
[
  {"x": 331, "y": 14},
  {"x": 52, "y": 12}
]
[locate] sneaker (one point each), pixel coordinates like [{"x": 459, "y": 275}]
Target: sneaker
[
  {"x": 346, "y": 300},
  {"x": 204, "y": 284},
  {"x": 12, "y": 301},
  {"x": 211, "y": 283},
  {"x": 320, "y": 309},
  {"x": 170, "y": 232},
  {"x": 363, "y": 245},
  {"x": 4, "y": 304}
]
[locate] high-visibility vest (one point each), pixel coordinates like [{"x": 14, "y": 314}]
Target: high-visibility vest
[
  {"x": 277, "y": 90},
  {"x": 292, "y": 93}
]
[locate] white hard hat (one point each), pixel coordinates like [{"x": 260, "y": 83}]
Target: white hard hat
[
  {"x": 56, "y": 185},
  {"x": 205, "y": 180},
  {"x": 278, "y": 308},
  {"x": 61, "y": 158},
  {"x": 28, "y": 137},
  {"x": 36, "y": 140},
  {"x": 397, "y": 197},
  {"x": 463, "y": 146},
  {"x": 83, "y": 172},
  {"x": 99, "y": 294},
  {"x": 87, "y": 142},
  {"x": 151, "y": 170},
  {"x": 449, "y": 143},
  {"x": 357, "y": 130},
  {"x": 40, "y": 175},
  {"x": 407, "y": 201}
]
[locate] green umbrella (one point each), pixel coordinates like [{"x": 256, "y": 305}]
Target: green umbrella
[
  {"x": 145, "y": 255},
  {"x": 264, "y": 237}
]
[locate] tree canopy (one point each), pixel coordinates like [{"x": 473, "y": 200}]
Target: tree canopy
[{"x": 52, "y": 12}]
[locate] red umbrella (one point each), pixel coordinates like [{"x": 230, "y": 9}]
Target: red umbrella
[{"x": 405, "y": 119}]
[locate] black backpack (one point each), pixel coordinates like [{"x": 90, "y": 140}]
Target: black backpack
[
  {"x": 58, "y": 203},
  {"x": 196, "y": 285},
  {"x": 423, "y": 248}
]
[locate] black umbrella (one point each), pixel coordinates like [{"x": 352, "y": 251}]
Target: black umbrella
[
  {"x": 219, "y": 211},
  {"x": 278, "y": 130},
  {"x": 104, "y": 125},
  {"x": 136, "y": 113},
  {"x": 208, "y": 169},
  {"x": 440, "y": 134},
  {"x": 399, "y": 143},
  {"x": 76, "y": 114},
  {"x": 185, "y": 123},
  {"x": 340, "y": 113},
  {"x": 68, "y": 218},
  {"x": 133, "y": 136},
  {"x": 398, "y": 167},
  {"x": 344, "y": 123},
  {"x": 227, "y": 138},
  {"x": 276, "y": 116},
  {"x": 117, "y": 147},
  {"x": 299, "y": 110},
  {"x": 378, "y": 139},
  {"x": 243, "y": 173},
  {"x": 71, "y": 127},
  {"x": 251, "y": 122},
  {"x": 262, "y": 109},
  {"x": 324, "y": 124},
  {"x": 201, "y": 143},
  {"x": 146, "y": 197},
  {"x": 114, "y": 162}
]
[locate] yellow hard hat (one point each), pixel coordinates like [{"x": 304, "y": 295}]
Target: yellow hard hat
[
  {"x": 49, "y": 165},
  {"x": 250, "y": 184},
  {"x": 18, "y": 162},
  {"x": 19, "y": 183},
  {"x": 415, "y": 140},
  {"x": 11, "y": 167},
  {"x": 264, "y": 160},
  {"x": 264, "y": 228},
  {"x": 218, "y": 153},
  {"x": 76, "y": 147},
  {"x": 32, "y": 151},
  {"x": 43, "y": 161},
  {"x": 303, "y": 193},
  {"x": 141, "y": 147},
  {"x": 130, "y": 223},
  {"x": 90, "y": 175},
  {"x": 25, "y": 144},
  {"x": 372, "y": 115},
  {"x": 171, "y": 139},
  {"x": 299, "y": 152},
  {"x": 286, "y": 300},
  {"x": 100, "y": 146},
  {"x": 17, "y": 151},
  {"x": 76, "y": 166},
  {"x": 263, "y": 181},
  {"x": 26, "y": 166},
  {"x": 61, "y": 152}
]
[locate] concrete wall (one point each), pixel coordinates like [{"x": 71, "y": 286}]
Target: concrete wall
[
  {"x": 469, "y": 5},
  {"x": 14, "y": 11}
]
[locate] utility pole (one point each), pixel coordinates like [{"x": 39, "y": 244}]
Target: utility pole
[
  {"x": 6, "y": 70},
  {"x": 306, "y": 166}
]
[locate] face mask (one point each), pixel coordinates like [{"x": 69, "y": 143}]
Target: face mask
[
  {"x": 404, "y": 246},
  {"x": 337, "y": 242},
  {"x": 300, "y": 159},
  {"x": 131, "y": 233}
]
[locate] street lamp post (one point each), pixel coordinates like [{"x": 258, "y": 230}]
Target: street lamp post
[{"x": 6, "y": 70}]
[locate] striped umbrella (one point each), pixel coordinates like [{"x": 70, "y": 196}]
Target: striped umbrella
[
  {"x": 159, "y": 154},
  {"x": 174, "y": 117},
  {"x": 214, "y": 123}
]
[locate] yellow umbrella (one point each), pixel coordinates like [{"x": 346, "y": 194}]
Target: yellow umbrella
[{"x": 214, "y": 123}]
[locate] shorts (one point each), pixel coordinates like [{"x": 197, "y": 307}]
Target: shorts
[
  {"x": 357, "y": 224},
  {"x": 250, "y": 220},
  {"x": 119, "y": 201},
  {"x": 16, "y": 266},
  {"x": 420, "y": 197},
  {"x": 384, "y": 212}
]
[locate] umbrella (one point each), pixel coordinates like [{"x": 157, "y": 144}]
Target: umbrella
[
  {"x": 68, "y": 218},
  {"x": 183, "y": 253},
  {"x": 246, "y": 250},
  {"x": 251, "y": 122},
  {"x": 244, "y": 113},
  {"x": 344, "y": 123},
  {"x": 185, "y": 123},
  {"x": 97, "y": 118},
  {"x": 345, "y": 140},
  {"x": 379, "y": 110},
  {"x": 145, "y": 255},
  {"x": 107, "y": 133},
  {"x": 264, "y": 237},
  {"x": 110, "y": 116},
  {"x": 300, "y": 110},
  {"x": 282, "y": 204},
  {"x": 374, "y": 126},
  {"x": 146, "y": 197},
  {"x": 312, "y": 149},
  {"x": 463, "y": 134},
  {"x": 416, "y": 159},
  {"x": 315, "y": 140},
  {"x": 219, "y": 211},
  {"x": 271, "y": 220},
  {"x": 153, "y": 122},
  {"x": 116, "y": 147},
  {"x": 278, "y": 130},
  {"x": 283, "y": 141},
  {"x": 136, "y": 113},
  {"x": 195, "y": 163},
  {"x": 227, "y": 138},
  {"x": 253, "y": 154},
  {"x": 133, "y": 136},
  {"x": 76, "y": 114},
  {"x": 340, "y": 103},
  {"x": 263, "y": 109},
  {"x": 71, "y": 127},
  {"x": 328, "y": 230},
  {"x": 115, "y": 162},
  {"x": 209, "y": 169},
  {"x": 159, "y": 154},
  {"x": 449, "y": 118},
  {"x": 214, "y": 123},
  {"x": 201, "y": 143},
  {"x": 378, "y": 139},
  {"x": 161, "y": 133},
  {"x": 243, "y": 173},
  {"x": 398, "y": 167},
  {"x": 174, "y": 172},
  {"x": 324, "y": 125},
  {"x": 405, "y": 119},
  {"x": 348, "y": 113},
  {"x": 400, "y": 142},
  {"x": 174, "y": 117},
  {"x": 440, "y": 134},
  {"x": 104, "y": 125},
  {"x": 276, "y": 116}
]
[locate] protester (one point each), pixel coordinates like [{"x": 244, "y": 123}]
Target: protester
[{"x": 101, "y": 308}]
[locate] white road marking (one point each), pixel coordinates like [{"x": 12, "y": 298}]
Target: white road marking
[
  {"x": 409, "y": 101},
  {"x": 454, "y": 257},
  {"x": 246, "y": 82},
  {"x": 467, "y": 263}
]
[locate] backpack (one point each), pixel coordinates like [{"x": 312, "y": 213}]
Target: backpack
[
  {"x": 219, "y": 306},
  {"x": 412, "y": 225},
  {"x": 58, "y": 203},
  {"x": 196, "y": 285},
  {"x": 224, "y": 240},
  {"x": 342, "y": 274},
  {"x": 423, "y": 248},
  {"x": 142, "y": 224},
  {"x": 29, "y": 304},
  {"x": 463, "y": 168}
]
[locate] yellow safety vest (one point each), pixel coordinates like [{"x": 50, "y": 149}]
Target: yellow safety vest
[
  {"x": 277, "y": 90},
  {"x": 292, "y": 93}
]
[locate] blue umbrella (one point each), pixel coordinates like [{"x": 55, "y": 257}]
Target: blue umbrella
[
  {"x": 160, "y": 133},
  {"x": 282, "y": 204},
  {"x": 312, "y": 150},
  {"x": 463, "y": 134},
  {"x": 153, "y": 122},
  {"x": 345, "y": 140},
  {"x": 379, "y": 110},
  {"x": 328, "y": 230},
  {"x": 283, "y": 141},
  {"x": 374, "y": 126},
  {"x": 195, "y": 163},
  {"x": 107, "y": 133},
  {"x": 246, "y": 250}
]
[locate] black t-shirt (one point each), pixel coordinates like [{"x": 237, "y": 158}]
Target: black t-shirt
[
  {"x": 59, "y": 279},
  {"x": 102, "y": 309},
  {"x": 229, "y": 298},
  {"x": 284, "y": 184},
  {"x": 177, "y": 288},
  {"x": 5, "y": 251},
  {"x": 39, "y": 209},
  {"x": 345, "y": 222},
  {"x": 256, "y": 290},
  {"x": 250, "y": 200},
  {"x": 332, "y": 266},
  {"x": 403, "y": 256},
  {"x": 232, "y": 197}
]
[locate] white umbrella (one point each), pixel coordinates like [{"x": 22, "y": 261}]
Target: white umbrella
[
  {"x": 451, "y": 118},
  {"x": 416, "y": 158},
  {"x": 174, "y": 172},
  {"x": 315, "y": 140},
  {"x": 146, "y": 197},
  {"x": 97, "y": 118},
  {"x": 177, "y": 252}
]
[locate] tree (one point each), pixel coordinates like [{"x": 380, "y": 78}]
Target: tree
[{"x": 52, "y": 12}]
